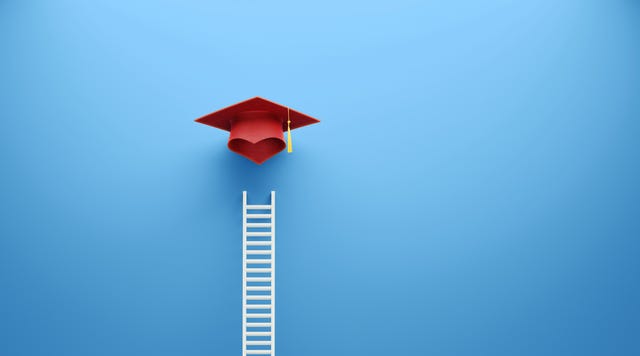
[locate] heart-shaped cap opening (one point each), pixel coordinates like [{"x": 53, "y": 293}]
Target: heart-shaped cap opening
[
  {"x": 257, "y": 152},
  {"x": 256, "y": 135}
]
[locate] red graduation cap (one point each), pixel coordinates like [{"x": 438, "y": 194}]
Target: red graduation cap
[{"x": 257, "y": 127}]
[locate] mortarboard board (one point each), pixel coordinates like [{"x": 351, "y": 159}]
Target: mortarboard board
[{"x": 256, "y": 127}]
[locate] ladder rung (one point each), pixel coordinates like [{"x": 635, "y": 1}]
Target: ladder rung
[
  {"x": 258, "y": 233},
  {"x": 258, "y": 225},
  {"x": 258, "y": 306},
  {"x": 258, "y": 243},
  {"x": 258, "y": 333},
  {"x": 258, "y": 252},
  {"x": 258, "y": 316},
  {"x": 258, "y": 342},
  {"x": 258, "y": 297},
  {"x": 259, "y": 288},
  {"x": 252, "y": 313},
  {"x": 259, "y": 325},
  {"x": 258, "y": 216},
  {"x": 258, "y": 279},
  {"x": 258, "y": 352},
  {"x": 258, "y": 207},
  {"x": 258, "y": 261},
  {"x": 259, "y": 270}
]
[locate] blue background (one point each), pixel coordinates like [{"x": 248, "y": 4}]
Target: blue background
[{"x": 472, "y": 188}]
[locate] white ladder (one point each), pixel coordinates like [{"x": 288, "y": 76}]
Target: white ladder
[{"x": 258, "y": 277}]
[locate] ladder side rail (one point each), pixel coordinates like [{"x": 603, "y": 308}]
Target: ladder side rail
[
  {"x": 273, "y": 273},
  {"x": 244, "y": 273}
]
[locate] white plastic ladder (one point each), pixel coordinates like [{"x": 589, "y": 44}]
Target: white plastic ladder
[{"x": 258, "y": 277}]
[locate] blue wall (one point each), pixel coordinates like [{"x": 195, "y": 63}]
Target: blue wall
[{"x": 472, "y": 188}]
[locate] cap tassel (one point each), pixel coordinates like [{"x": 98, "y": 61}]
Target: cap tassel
[{"x": 289, "y": 146}]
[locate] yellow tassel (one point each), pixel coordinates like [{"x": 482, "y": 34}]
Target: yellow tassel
[{"x": 289, "y": 147}]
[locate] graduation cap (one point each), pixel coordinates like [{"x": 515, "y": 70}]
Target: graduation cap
[{"x": 256, "y": 126}]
